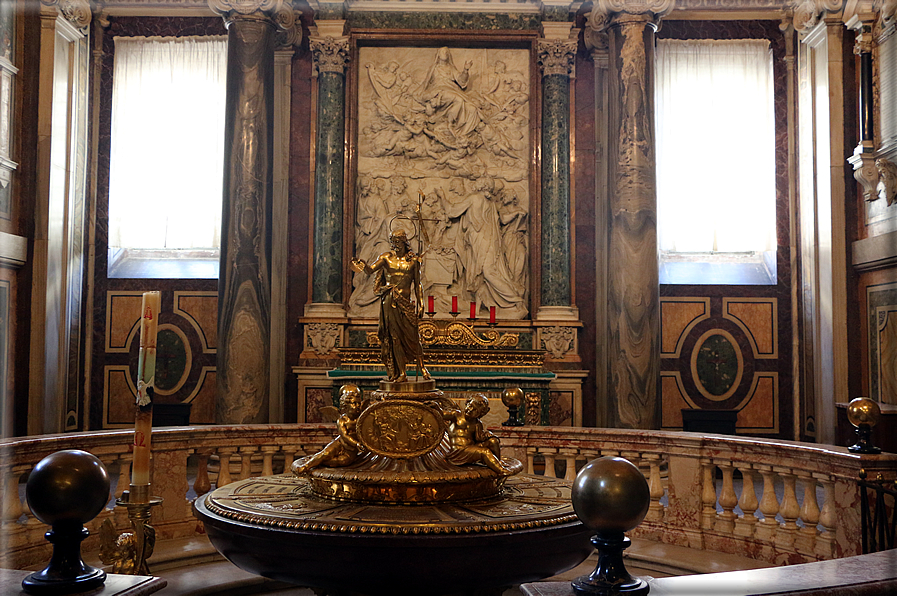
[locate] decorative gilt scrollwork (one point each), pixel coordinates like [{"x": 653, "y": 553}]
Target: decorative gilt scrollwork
[
  {"x": 557, "y": 56},
  {"x": 533, "y": 409},
  {"x": 604, "y": 11},
  {"x": 331, "y": 54},
  {"x": 77, "y": 12},
  {"x": 456, "y": 334}
]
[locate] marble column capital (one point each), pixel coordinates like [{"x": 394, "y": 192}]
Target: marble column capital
[
  {"x": 331, "y": 54},
  {"x": 278, "y": 12},
  {"x": 557, "y": 56},
  {"x": 888, "y": 14},
  {"x": 606, "y": 13},
  {"x": 76, "y": 12},
  {"x": 808, "y": 13}
]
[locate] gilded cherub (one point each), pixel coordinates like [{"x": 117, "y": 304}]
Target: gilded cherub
[
  {"x": 120, "y": 550},
  {"x": 346, "y": 448},
  {"x": 471, "y": 442}
]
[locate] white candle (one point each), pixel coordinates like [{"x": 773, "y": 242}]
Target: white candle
[{"x": 146, "y": 370}]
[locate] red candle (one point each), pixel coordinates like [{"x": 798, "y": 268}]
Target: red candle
[
  {"x": 492, "y": 315},
  {"x": 430, "y": 304},
  {"x": 473, "y": 310},
  {"x": 454, "y": 304}
]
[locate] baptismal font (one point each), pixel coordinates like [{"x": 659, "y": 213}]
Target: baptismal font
[{"x": 412, "y": 495}]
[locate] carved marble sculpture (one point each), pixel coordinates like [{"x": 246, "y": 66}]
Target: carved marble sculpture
[
  {"x": 887, "y": 180},
  {"x": 452, "y": 128}
]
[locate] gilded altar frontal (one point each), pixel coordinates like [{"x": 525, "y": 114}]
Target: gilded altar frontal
[{"x": 446, "y": 129}]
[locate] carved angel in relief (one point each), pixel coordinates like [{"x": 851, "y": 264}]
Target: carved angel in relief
[{"x": 887, "y": 180}]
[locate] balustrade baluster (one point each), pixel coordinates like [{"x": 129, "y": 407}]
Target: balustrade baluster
[
  {"x": 708, "y": 496},
  {"x": 570, "y": 460},
  {"x": 202, "y": 484},
  {"x": 530, "y": 461},
  {"x": 246, "y": 462},
  {"x": 790, "y": 510},
  {"x": 549, "y": 455},
  {"x": 825, "y": 541},
  {"x": 224, "y": 477},
  {"x": 655, "y": 488},
  {"x": 725, "y": 521},
  {"x": 289, "y": 455},
  {"x": 769, "y": 506},
  {"x": 805, "y": 541},
  {"x": 268, "y": 452},
  {"x": 124, "y": 474},
  {"x": 12, "y": 504},
  {"x": 744, "y": 525}
]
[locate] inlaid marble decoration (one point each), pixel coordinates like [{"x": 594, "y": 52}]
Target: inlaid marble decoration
[
  {"x": 446, "y": 129},
  {"x": 882, "y": 321},
  {"x": 721, "y": 353},
  {"x": 185, "y": 357}
]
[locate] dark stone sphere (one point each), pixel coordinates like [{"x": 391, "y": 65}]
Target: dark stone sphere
[
  {"x": 69, "y": 486},
  {"x": 610, "y": 495}
]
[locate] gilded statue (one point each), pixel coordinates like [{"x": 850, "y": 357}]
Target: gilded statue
[
  {"x": 397, "y": 276},
  {"x": 345, "y": 449},
  {"x": 471, "y": 441}
]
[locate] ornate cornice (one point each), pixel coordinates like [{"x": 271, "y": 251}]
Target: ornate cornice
[
  {"x": 77, "y": 12},
  {"x": 331, "y": 54},
  {"x": 556, "y": 56},
  {"x": 807, "y": 13},
  {"x": 605, "y": 12}
]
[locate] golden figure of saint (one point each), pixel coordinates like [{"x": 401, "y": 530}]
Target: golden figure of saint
[{"x": 397, "y": 276}]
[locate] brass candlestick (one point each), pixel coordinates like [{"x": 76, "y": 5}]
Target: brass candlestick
[{"x": 129, "y": 551}]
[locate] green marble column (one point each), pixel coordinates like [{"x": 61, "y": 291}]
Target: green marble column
[
  {"x": 244, "y": 279},
  {"x": 633, "y": 287},
  {"x": 330, "y": 55},
  {"x": 556, "y": 60}
]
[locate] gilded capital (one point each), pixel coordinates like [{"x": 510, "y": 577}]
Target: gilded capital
[
  {"x": 807, "y": 13},
  {"x": 605, "y": 12},
  {"x": 330, "y": 53},
  {"x": 77, "y": 12},
  {"x": 557, "y": 56}
]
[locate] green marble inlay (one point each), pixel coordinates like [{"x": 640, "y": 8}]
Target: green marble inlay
[
  {"x": 327, "y": 279},
  {"x": 171, "y": 359},
  {"x": 557, "y": 14},
  {"x": 717, "y": 364},
  {"x": 330, "y": 11},
  {"x": 445, "y": 20},
  {"x": 556, "y": 290}
]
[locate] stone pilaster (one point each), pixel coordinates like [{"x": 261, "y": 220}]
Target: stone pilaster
[
  {"x": 244, "y": 279},
  {"x": 633, "y": 290},
  {"x": 556, "y": 58},
  {"x": 331, "y": 55}
]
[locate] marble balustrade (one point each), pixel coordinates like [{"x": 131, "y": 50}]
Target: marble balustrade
[{"x": 778, "y": 501}]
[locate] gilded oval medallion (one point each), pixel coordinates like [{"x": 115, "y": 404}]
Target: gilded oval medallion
[{"x": 400, "y": 428}]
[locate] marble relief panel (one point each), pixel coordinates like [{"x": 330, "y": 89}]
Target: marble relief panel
[
  {"x": 443, "y": 141},
  {"x": 882, "y": 321}
]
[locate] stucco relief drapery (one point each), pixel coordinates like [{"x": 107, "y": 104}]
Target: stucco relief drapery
[
  {"x": 633, "y": 290},
  {"x": 446, "y": 127},
  {"x": 244, "y": 283}
]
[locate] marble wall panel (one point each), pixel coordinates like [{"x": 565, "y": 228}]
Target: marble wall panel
[
  {"x": 716, "y": 363},
  {"x": 881, "y": 317},
  {"x": 185, "y": 361}
]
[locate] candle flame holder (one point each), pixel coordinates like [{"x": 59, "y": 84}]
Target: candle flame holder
[{"x": 129, "y": 551}]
